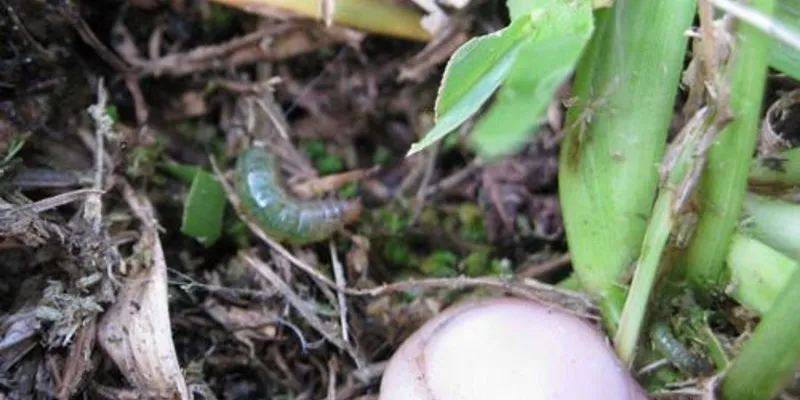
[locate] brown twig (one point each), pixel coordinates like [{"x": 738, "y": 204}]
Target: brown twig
[
  {"x": 315, "y": 186},
  {"x": 78, "y": 363},
  {"x": 20, "y": 26},
  {"x": 333, "y": 368},
  {"x": 252, "y": 47},
  {"x": 708, "y": 42},
  {"x": 93, "y": 206},
  {"x": 532, "y": 271},
  {"x": 455, "y": 179},
  {"x": 341, "y": 283},
  {"x": 260, "y": 117},
  {"x": 71, "y": 12},
  {"x": 301, "y": 306},
  {"x": 54, "y": 201},
  {"x": 413, "y": 176},
  {"x": 568, "y": 301},
  {"x": 419, "y": 198}
]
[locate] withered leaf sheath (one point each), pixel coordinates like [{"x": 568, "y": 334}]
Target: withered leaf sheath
[{"x": 261, "y": 189}]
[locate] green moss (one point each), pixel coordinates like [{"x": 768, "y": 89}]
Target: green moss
[
  {"x": 315, "y": 149},
  {"x": 501, "y": 267},
  {"x": 470, "y": 219},
  {"x": 476, "y": 263},
  {"x": 349, "y": 190},
  {"x": 219, "y": 18},
  {"x": 143, "y": 159},
  {"x": 382, "y": 156},
  {"x": 392, "y": 220},
  {"x": 397, "y": 252},
  {"x": 440, "y": 263},
  {"x": 329, "y": 164},
  {"x": 429, "y": 216}
]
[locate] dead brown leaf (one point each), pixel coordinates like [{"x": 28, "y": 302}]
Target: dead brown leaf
[{"x": 136, "y": 332}]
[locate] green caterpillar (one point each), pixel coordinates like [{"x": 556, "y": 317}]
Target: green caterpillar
[
  {"x": 676, "y": 352},
  {"x": 260, "y": 187}
]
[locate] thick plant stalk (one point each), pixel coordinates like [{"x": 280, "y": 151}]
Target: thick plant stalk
[
  {"x": 725, "y": 179},
  {"x": 771, "y": 355},
  {"x": 758, "y": 273},
  {"x": 774, "y": 222},
  {"x": 625, "y": 88}
]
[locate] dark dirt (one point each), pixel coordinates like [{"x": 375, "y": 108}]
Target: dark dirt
[{"x": 67, "y": 251}]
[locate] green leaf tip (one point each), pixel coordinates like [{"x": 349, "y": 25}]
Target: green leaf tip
[
  {"x": 552, "y": 38},
  {"x": 472, "y": 75},
  {"x": 544, "y": 62},
  {"x": 204, "y": 209}
]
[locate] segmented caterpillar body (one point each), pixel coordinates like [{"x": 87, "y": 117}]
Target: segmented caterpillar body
[
  {"x": 260, "y": 187},
  {"x": 676, "y": 352}
]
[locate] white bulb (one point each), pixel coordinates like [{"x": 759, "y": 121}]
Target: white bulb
[{"x": 506, "y": 349}]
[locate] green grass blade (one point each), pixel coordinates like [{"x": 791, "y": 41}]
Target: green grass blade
[
  {"x": 782, "y": 56},
  {"x": 518, "y": 8},
  {"x": 758, "y": 273},
  {"x": 625, "y": 86},
  {"x": 204, "y": 206},
  {"x": 725, "y": 179},
  {"x": 204, "y": 209},
  {"x": 543, "y": 63},
  {"x": 659, "y": 228},
  {"x": 472, "y": 75},
  {"x": 771, "y": 355},
  {"x": 185, "y": 173},
  {"x": 775, "y": 223}
]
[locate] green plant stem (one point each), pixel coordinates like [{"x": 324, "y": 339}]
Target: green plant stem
[
  {"x": 663, "y": 220},
  {"x": 774, "y": 222},
  {"x": 758, "y": 273},
  {"x": 772, "y": 354},
  {"x": 715, "y": 348},
  {"x": 633, "y": 314},
  {"x": 625, "y": 87},
  {"x": 725, "y": 179}
]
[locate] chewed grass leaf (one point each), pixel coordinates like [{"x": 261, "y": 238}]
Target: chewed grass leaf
[
  {"x": 204, "y": 209},
  {"x": 472, "y": 75},
  {"x": 543, "y": 63}
]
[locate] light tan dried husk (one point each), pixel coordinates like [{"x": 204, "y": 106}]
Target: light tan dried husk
[{"x": 136, "y": 331}]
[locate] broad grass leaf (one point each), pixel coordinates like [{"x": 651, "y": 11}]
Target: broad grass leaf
[
  {"x": 472, "y": 75},
  {"x": 543, "y": 63}
]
